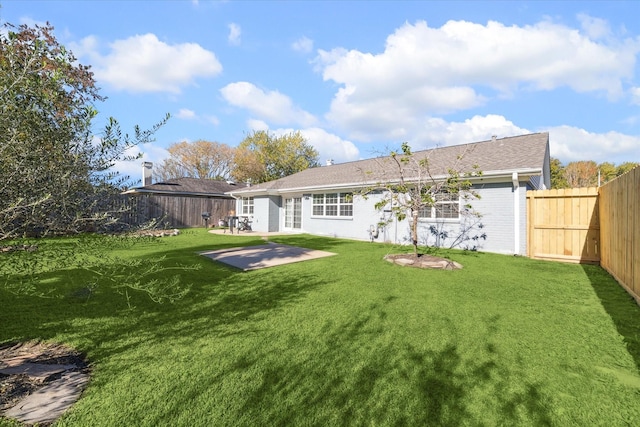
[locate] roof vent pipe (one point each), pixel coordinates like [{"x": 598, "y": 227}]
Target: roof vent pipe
[
  {"x": 147, "y": 173},
  {"x": 494, "y": 137}
]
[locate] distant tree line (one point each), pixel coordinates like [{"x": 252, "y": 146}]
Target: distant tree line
[
  {"x": 261, "y": 156},
  {"x": 586, "y": 173}
]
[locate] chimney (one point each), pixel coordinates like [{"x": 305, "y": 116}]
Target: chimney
[
  {"x": 147, "y": 168},
  {"x": 494, "y": 137},
  {"x": 329, "y": 162}
]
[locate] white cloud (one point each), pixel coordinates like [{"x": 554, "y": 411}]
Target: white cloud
[
  {"x": 27, "y": 20},
  {"x": 234, "y": 34},
  {"x": 330, "y": 146},
  {"x": 303, "y": 44},
  {"x": 595, "y": 28},
  {"x": 438, "y": 132},
  {"x": 133, "y": 169},
  {"x": 389, "y": 117},
  {"x": 143, "y": 63},
  {"x": 635, "y": 95},
  {"x": 271, "y": 106},
  {"x": 87, "y": 47},
  {"x": 569, "y": 144},
  {"x": 186, "y": 114},
  {"x": 212, "y": 119},
  {"x": 255, "y": 125},
  {"x": 425, "y": 71},
  {"x": 566, "y": 143}
]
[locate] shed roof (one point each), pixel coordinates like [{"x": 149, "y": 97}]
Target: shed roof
[
  {"x": 194, "y": 187},
  {"x": 525, "y": 153}
]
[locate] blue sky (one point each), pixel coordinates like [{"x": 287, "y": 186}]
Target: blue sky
[{"x": 356, "y": 77}]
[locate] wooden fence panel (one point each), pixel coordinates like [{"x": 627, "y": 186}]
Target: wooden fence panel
[
  {"x": 620, "y": 230},
  {"x": 563, "y": 225},
  {"x": 172, "y": 211},
  {"x": 182, "y": 212}
]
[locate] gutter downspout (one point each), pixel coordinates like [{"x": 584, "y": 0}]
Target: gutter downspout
[
  {"x": 516, "y": 213},
  {"x": 236, "y": 198}
]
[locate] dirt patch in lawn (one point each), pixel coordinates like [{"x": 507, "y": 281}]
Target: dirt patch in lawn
[
  {"x": 39, "y": 381},
  {"x": 423, "y": 261}
]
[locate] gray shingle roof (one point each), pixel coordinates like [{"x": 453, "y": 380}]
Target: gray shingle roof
[
  {"x": 187, "y": 187},
  {"x": 518, "y": 153}
]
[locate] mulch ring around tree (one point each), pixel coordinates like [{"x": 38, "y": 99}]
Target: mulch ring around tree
[
  {"x": 423, "y": 261},
  {"x": 40, "y": 381}
]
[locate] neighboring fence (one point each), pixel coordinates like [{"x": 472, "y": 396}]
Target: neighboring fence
[
  {"x": 174, "y": 211},
  {"x": 563, "y": 225},
  {"x": 620, "y": 230}
]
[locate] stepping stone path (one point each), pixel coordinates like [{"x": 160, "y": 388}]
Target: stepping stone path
[{"x": 39, "y": 382}]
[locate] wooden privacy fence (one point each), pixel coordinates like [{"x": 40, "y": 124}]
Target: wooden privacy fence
[
  {"x": 591, "y": 225},
  {"x": 620, "y": 230},
  {"x": 563, "y": 225},
  {"x": 174, "y": 211}
]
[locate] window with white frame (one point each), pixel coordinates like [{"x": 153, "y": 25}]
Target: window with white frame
[
  {"x": 246, "y": 206},
  {"x": 446, "y": 206},
  {"x": 333, "y": 205}
]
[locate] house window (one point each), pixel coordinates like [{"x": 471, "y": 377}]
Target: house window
[
  {"x": 333, "y": 205},
  {"x": 447, "y": 206},
  {"x": 246, "y": 204}
]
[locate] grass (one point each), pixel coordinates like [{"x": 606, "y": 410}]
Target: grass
[{"x": 347, "y": 340}]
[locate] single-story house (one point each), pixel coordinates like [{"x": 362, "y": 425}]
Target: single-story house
[
  {"x": 325, "y": 200},
  {"x": 181, "y": 202}
]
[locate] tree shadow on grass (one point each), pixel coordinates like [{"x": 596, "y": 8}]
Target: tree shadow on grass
[
  {"x": 219, "y": 300},
  {"x": 619, "y": 305},
  {"x": 390, "y": 382}
]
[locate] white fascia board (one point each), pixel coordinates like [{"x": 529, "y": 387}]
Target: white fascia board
[{"x": 250, "y": 193}]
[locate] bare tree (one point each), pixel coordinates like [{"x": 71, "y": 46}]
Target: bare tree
[
  {"x": 581, "y": 174},
  {"x": 198, "y": 159}
]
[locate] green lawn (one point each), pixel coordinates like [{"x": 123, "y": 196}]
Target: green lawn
[{"x": 346, "y": 340}]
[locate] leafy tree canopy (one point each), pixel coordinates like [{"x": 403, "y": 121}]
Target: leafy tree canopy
[
  {"x": 558, "y": 179},
  {"x": 54, "y": 172},
  {"x": 263, "y": 156}
]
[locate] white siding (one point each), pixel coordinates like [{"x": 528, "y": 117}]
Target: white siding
[
  {"x": 356, "y": 227},
  {"x": 496, "y": 205}
]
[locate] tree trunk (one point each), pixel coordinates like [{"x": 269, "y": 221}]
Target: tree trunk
[{"x": 414, "y": 231}]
